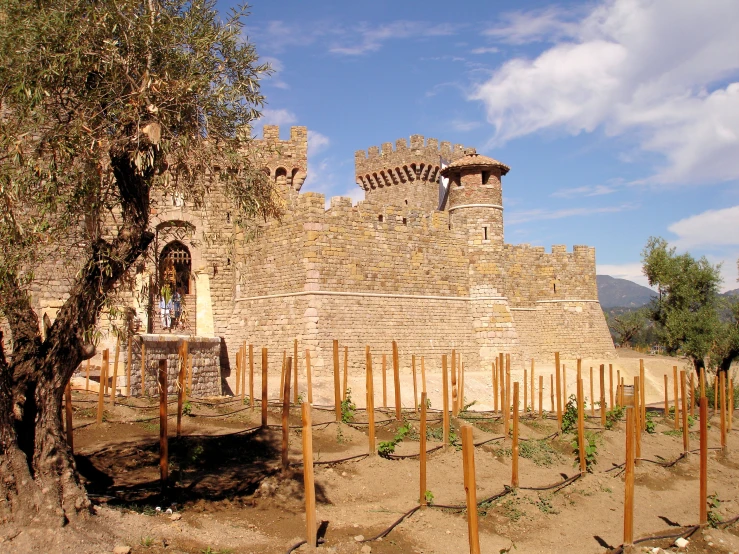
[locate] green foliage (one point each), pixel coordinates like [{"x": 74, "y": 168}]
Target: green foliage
[
  {"x": 209, "y": 550},
  {"x": 545, "y": 504},
  {"x": 187, "y": 408},
  {"x": 714, "y": 518},
  {"x": 147, "y": 542},
  {"x": 386, "y": 448},
  {"x": 591, "y": 450},
  {"x": 686, "y": 309},
  {"x": 538, "y": 451},
  {"x": 649, "y": 423},
  {"x": 614, "y": 415},
  {"x": 429, "y": 497},
  {"x": 466, "y": 407},
  {"x": 711, "y": 391},
  {"x": 569, "y": 417},
  {"x": 627, "y": 326},
  {"x": 428, "y": 403},
  {"x": 725, "y": 347},
  {"x": 348, "y": 408}
]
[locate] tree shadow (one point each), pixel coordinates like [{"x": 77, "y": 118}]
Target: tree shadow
[
  {"x": 601, "y": 541},
  {"x": 210, "y": 468}
]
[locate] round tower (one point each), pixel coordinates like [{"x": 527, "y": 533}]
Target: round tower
[{"x": 475, "y": 197}]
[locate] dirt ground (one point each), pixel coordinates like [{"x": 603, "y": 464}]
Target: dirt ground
[{"x": 227, "y": 492}]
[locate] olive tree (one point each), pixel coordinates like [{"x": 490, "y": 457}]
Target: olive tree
[{"x": 101, "y": 101}]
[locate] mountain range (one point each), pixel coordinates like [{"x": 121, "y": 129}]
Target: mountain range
[{"x": 622, "y": 293}]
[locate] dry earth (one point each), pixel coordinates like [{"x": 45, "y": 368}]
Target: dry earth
[{"x": 228, "y": 493}]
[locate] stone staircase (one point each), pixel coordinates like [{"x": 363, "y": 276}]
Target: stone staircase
[{"x": 187, "y": 324}]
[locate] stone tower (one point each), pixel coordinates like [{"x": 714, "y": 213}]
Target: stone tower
[
  {"x": 286, "y": 160},
  {"x": 475, "y": 198},
  {"x": 405, "y": 176}
]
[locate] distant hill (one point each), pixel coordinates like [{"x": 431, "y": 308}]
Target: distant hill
[
  {"x": 622, "y": 293},
  {"x": 734, "y": 292}
]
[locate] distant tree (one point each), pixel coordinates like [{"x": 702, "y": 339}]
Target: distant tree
[
  {"x": 725, "y": 347},
  {"x": 100, "y": 101},
  {"x": 626, "y": 327},
  {"x": 686, "y": 309}
]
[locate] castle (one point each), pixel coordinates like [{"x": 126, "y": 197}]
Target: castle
[{"x": 417, "y": 262}]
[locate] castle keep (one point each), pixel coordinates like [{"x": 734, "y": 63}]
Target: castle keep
[{"x": 423, "y": 264}]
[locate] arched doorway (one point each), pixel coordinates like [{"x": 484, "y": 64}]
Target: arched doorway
[{"x": 175, "y": 266}]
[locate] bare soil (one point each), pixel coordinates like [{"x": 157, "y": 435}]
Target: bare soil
[{"x": 227, "y": 492}]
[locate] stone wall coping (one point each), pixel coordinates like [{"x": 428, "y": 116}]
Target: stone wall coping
[
  {"x": 495, "y": 206},
  {"x": 370, "y": 294},
  {"x": 565, "y": 300},
  {"x": 150, "y": 337}
]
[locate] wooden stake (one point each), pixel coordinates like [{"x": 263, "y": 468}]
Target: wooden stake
[
  {"x": 703, "y": 498},
  {"x": 243, "y": 373},
  {"x": 87, "y": 376},
  {"x": 667, "y": 402},
  {"x": 251, "y": 377},
  {"x": 731, "y": 403},
  {"x": 643, "y": 398},
  {"x": 722, "y": 385},
  {"x": 564, "y": 387},
  {"x": 115, "y": 370},
  {"x": 101, "y": 389},
  {"x": 286, "y": 415},
  {"x": 629, "y": 484},
  {"x": 618, "y": 388},
  {"x": 238, "y": 373},
  {"x": 470, "y": 487},
  {"x": 610, "y": 384},
  {"x": 592, "y": 395},
  {"x": 309, "y": 486},
  {"x": 541, "y": 395},
  {"x": 514, "y": 448},
  {"x": 345, "y": 388},
  {"x": 495, "y": 387},
  {"x": 507, "y": 406},
  {"x": 370, "y": 401},
  {"x": 692, "y": 392},
  {"x": 461, "y": 384},
  {"x": 533, "y": 398},
  {"x": 337, "y": 382},
  {"x": 396, "y": 376},
  {"x": 686, "y": 437},
  {"x": 422, "y": 452},
  {"x": 181, "y": 386},
  {"x": 703, "y": 382},
  {"x": 445, "y": 402},
  {"x": 455, "y": 393},
  {"x": 423, "y": 374},
  {"x": 715, "y": 394},
  {"x": 415, "y": 384},
  {"x": 551, "y": 392},
  {"x": 603, "y": 406},
  {"x": 637, "y": 423},
  {"x": 559, "y": 390},
  {"x": 581, "y": 426},
  {"x": 68, "y": 416},
  {"x": 295, "y": 372},
  {"x": 677, "y": 406},
  {"x": 264, "y": 388},
  {"x": 163, "y": 442},
  {"x": 308, "y": 376},
  {"x": 143, "y": 368},
  {"x": 128, "y": 365},
  {"x": 525, "y": 389},
  {"x": 282, "y": 375},
  {"x": 501, "y": 378},
  {"x": 190, "y": 375},
  {"x": 384, "y": 382}
]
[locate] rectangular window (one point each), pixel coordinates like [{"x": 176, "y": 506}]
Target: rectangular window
[{"x": 485, "y": 233}]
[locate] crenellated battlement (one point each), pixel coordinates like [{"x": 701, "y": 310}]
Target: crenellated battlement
[
  {"x": 286, "y": 160},
  {"x": 403, "y": 173}
]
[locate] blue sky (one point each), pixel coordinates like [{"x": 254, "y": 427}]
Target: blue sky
[{"x": 619, "y": 119}]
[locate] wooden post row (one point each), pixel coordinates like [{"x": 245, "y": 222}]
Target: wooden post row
[
  {"x": 370, "y": 401},
  {"x": 396, "y": 377},
  {"x": 286, "y": 414},
  {"x": 264, "y": 387},
  {"x": 514, "y": 448},
  {"x": 163, "y": 442},
  {"x": 445, "y": 401},
  {"x": 422, "y": 451},
  {"x": 337, "y": 383}
]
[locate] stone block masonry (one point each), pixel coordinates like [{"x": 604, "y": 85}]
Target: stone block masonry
[{"x": 204, "y": 352}]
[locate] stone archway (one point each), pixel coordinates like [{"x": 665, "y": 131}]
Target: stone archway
[{"x": 175, "y": 267}]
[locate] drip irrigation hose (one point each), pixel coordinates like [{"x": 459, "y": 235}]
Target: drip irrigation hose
[
  {"x": 386, "y": 532},
  {"x": 687, "y": 532},
  {"x": 297, "y": 545}
]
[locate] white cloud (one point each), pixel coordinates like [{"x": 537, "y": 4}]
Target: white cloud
[
  {"x": 534, "y": 26},
  {"x": 316, "y": 143},
  {"x": 661, "y": 71},
  {"x": 524, "y": 216},
  {"x": 464, "y": 126},
  {"x": 586, "y": 191},
  {"x": 485, "y": 50},
  {"x": 631, "y": 271},
  {"x": 710, "y": 229},
  {"x": 277, "y": 68},
  {"x": 370, "y": 38},
  {"x": 277, "y": 117}
]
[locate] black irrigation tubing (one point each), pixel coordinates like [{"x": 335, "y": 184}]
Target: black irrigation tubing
[
  {"x": 406, "y": 456},
  {"x": 297, "y": 545},
  {"x": 685, "y": 533},
  {"x": 386, "y": 532},
  {"x": 556, "y": 486},
  {"x": 332, "y": 462}
]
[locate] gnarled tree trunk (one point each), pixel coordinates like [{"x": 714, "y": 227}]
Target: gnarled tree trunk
[{"x": 38, "y": 477}]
